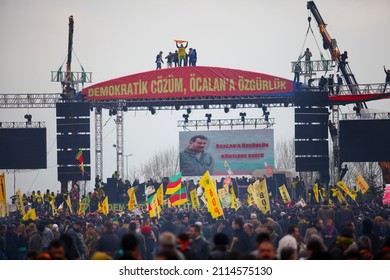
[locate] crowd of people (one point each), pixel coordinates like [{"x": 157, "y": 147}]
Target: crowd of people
[
  {"x": 313, "y": 231},
  {"x": 178, "y": 58}
]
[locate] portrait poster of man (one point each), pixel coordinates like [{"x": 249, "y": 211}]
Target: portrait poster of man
[{"x": 244, "y": 150}]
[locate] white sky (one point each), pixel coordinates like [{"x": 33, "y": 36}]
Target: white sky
[{"x": 117, "y": 38}]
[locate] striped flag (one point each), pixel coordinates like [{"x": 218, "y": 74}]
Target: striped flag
[
  {"x": 179, "y": 197},
  {"x": 79, "y": 157},
  {"x": 174, "y": 185}
]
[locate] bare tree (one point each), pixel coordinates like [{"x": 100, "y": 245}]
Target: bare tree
[
  {"x": 371, "y": 172},
  {"x": 164, "y": 163},
  {"x": 285, "y": 154}
]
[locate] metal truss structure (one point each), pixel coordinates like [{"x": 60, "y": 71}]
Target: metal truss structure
[
  {"x": 250, "y": 122},
  {"x": 22, "y": 125}
]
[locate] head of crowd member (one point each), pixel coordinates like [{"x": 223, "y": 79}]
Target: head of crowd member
[
  {"x": 57, "y": 249},
  {"x": 78, "y": 225},
  {"x": 183, "y": 238},
  {"x": 288, "y": 253},
  {"x": 294, "y": 231},
  {"x": 238, "y": 223},
  {"x": 198, "y": 143},
  {"x": 318, "y": 224},
  {"x": 100, "y": 256},
  {"x": 316, "y": 249},
  {"x": 266, "y": 250},
  {"x": 167, "y": 240},
  {"x": 194, "y": 231},
  {"x": 31, "y": 255},
  {"x": 129, "y": 245},
  {"x": 133, "y": 226},
  {"x": 108, "y": 227},
  {"x": 45, "y": 255},
  {"x": 166, "y": 254},
  {"x": 221, "y": 241}
]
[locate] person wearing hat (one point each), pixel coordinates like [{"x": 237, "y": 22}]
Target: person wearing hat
[
  {"x": 150, "y": 241},
  {"x": 159, "y": 60},
  {"x": 76, "y": 233}
]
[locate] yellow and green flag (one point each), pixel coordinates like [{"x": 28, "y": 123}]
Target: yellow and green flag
[
  {"x": 194, "y": 199},
  {"x": 30, "y": 215}
]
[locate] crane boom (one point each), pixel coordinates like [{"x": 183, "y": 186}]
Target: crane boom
[{"x": 331, "y": 45}]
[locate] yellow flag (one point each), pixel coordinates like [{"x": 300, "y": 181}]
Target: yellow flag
[
  {"x": 256, "y": 193},
  {"x": 315, "y": 191},
  {"x": 264, "y": 199},
  {"x": 19, "y": 202},
  {"x": 249, "y": 200},
  {"x": 204, "y": 199},
  {"x": 234, "y": 204},
  {"x": 250, "y": 188},
  {"x": 104, "y": 206},
  {"x": 206, "y": 181},
  {"x": 340, "y": 196},
  {"x": 344, "y": 187},
  {"x": 213, "y": 204},
  {"x": 221, "y": 193},
  {"x": 53, "y": 208},
  {"x": 3, "y": 190},
  {"x": 153, "y": 207},
  {"x": 160, "y": 195},
  {"x": 3, "y": 207},
  {"x": 132, "y": 204},
  {"x": 30, "y": 215},
  {"x": 361, "y": 183},
  {"x": 68, "y": 202},
  {"x": 194, "y": 199},
  {"x": 284, "y": 193}
]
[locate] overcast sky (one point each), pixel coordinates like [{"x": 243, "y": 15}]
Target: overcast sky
[{"x": 120, "y": 37}]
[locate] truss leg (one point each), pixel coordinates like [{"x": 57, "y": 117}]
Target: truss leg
[
  {"x": 119, "y": 143},
  {"x": 335, "y": 168},
  {"x": 98, "y": 143}
]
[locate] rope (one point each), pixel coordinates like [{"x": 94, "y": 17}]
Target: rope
[
  {"x": 78, "y": 60},
  {"x": 304, "y": 43}
]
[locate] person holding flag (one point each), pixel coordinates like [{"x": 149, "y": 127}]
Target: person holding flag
[{"x": 182, "y": 55}]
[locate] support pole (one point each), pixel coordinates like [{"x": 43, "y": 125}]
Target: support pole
[
  {"x": 98, "y": 143},
  {"x": 119, "y": 143}
]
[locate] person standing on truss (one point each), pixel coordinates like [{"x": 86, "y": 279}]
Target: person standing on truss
[
  {"x": 297, "y": 71},
  {"x": 387, "y": 81},
  {"x": 307, "y": 54}
]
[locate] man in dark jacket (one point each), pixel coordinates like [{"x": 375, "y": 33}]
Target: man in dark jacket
[
  {"x": 344, "y": 216},
  {"x": 325, "y": 212},
  {"x": 241, "y": 240},
  {"x": 108, "y": 242},
  {"x": 198, "y": 244},
  {"x": 78, "y": 239}
]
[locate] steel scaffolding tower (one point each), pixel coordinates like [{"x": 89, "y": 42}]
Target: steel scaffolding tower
[{"x": 98, "y": 142}]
